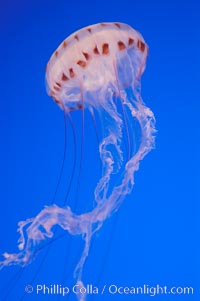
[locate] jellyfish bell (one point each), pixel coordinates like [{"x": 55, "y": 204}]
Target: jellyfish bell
[
  {"x": 90, "y": 70},
  {"x": 92, "y": 61}
]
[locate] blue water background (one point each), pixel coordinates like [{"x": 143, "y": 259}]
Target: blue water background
[{"x": 154, "y": 237}]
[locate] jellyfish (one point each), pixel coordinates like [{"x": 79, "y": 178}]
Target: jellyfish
[{"x": 98, "y": 69}]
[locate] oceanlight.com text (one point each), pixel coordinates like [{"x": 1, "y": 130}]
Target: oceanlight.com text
[{"x": 111, "y": 289}]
